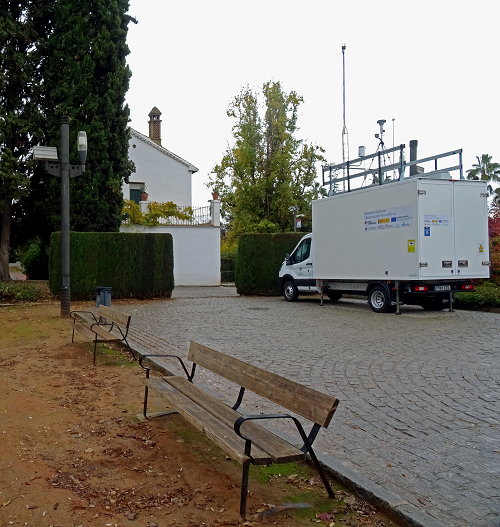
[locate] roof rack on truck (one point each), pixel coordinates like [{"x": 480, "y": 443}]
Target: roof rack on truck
[{"x": 330, "y": 171}]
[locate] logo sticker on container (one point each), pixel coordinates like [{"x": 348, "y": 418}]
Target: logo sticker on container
[
  {"x": 481, "y": 247},
  {"x": 411, "y": 246},
  {"x": 427, "y": 231}
]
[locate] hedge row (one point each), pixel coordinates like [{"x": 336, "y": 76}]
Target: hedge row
[
  {"x": 259, "y": 260},
  {"x": 135, "y": 265}
]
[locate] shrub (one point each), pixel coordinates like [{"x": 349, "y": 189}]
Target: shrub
[
  {"x": 34, "y": 259},
  {"x": 135, "y": 265},
  {"x": 486, "y": 294},
  {"x": 132, "y": 214},
  {"x": 259, "y": 260},
  {"x": 19, "y": 292}
]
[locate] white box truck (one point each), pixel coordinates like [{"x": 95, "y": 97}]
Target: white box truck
[{"x": 414, "y": 241}]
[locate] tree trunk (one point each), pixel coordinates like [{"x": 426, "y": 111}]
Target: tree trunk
[{"x": 5, "y": 240}]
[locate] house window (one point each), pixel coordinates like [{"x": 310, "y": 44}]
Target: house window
[{"x": 135, "y": 195}]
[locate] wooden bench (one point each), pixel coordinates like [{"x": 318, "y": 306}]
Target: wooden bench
[
  {"x": 108, "y": 325},
  {"x": 239, "y": 435}
]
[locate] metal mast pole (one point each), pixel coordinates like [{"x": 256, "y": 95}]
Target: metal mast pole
[
  {"x": 65, "y": 290},
  {"x": 344, "y": 129}
]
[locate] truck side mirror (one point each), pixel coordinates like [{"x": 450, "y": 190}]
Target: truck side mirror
[{"x": 288, "y": 260}]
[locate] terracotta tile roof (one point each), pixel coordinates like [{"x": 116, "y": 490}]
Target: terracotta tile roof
[{"x": 150, "y": 142}]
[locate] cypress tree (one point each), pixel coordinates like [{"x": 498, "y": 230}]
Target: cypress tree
[{"x": 85, "y": 76}]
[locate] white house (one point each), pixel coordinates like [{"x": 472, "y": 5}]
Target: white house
[{"x": 167, "y": 176}]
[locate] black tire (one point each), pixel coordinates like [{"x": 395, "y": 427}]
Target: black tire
[
  {"x": 334, "y": 296},
  {"x": 290, "y": 291},
  {"x": 433, "y": 304},
  {"x": 379, "y": 300}
]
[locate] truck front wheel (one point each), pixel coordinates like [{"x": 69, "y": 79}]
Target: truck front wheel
[
  {"x": 379, "y": 300},
  {"x": 290, "y": 291}
]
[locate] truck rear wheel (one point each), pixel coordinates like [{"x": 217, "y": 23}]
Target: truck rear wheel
[
  {"x": 379, "y": 300},
  {"x": 433, "y": 304},
  {"x": 290, "y": 291},
  {"x": 334, "y": 296}
]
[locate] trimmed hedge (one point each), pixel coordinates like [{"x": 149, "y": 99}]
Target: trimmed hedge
[
  {"x": 135, "y": 265},
  {"x": 259, "y": 260}
]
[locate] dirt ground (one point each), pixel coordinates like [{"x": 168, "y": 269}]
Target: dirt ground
[{"x": 73, "y": 452}]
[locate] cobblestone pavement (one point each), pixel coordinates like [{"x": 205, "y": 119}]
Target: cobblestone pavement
[{"x": 419, "y": 393}]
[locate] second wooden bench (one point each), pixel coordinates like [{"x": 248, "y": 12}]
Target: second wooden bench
[{"x": 107, "y": 325}]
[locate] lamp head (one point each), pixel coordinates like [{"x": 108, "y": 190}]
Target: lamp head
[{"x": 82, "y": 146}]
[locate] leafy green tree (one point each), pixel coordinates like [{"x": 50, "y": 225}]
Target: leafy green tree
[
  {"x": 486, "y": 170},
  {"x": 85, "y": 76},
  {"x": 267, "y": 169},
  {"x": 23, "y": 26}
]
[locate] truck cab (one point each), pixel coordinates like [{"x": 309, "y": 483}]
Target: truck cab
[{"x": 296, "y": 274}]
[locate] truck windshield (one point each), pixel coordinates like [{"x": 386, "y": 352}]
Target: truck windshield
[{"x": 303, "y": 251}]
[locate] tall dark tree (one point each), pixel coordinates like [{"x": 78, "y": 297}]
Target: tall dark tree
[
  {"x": 85, "y": 76},
  {"x": 24, "y": 25}
]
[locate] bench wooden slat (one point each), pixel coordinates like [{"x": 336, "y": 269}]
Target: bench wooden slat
[
  {"x": 84, "y": 329},
  {"x": 311, "y": 404},
  {"x": 122, "y": 319},
  {"x": 219, "y": 433},
  {"x": 279, "y": 450},
  {"x": 103, "y": 332}
]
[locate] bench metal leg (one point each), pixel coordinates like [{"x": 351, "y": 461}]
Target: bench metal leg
[
  {"x": 321, "y": 472},
  {"x": 95, "y": 349},
  {"x": 130, "y": 349},
  {"x": 145, "y": 408},
  {"x": 244, "y": 489}
]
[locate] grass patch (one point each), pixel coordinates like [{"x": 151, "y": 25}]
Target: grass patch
[
  {"x": 107, "y": 356},
  {"x": 20, "y": 291},
  {"x": 318, "y": 504},
  {"x": 264, "y": 473}
]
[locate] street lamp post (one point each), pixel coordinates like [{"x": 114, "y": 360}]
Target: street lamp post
[
  {"x": 294, "y": 209},
  {"x": 65, "y": 171}
]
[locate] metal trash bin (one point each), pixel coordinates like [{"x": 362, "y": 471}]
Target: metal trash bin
[{"x": 103, "y": 296}]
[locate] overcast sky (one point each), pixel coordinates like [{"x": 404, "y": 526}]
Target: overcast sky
[{"x": 430, "y": 65}]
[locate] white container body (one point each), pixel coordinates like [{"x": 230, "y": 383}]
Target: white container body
[{"x": 415, "y": 229}]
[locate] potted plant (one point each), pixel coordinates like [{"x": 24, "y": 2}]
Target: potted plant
[{"x": 144, "y": 194}]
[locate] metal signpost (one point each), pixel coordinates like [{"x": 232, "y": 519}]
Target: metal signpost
[{"x": 65, "y": 171}]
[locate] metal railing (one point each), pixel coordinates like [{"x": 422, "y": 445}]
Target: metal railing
[
  {"x": 381, "y": 169},
  {"x": 199, "y": 216}
]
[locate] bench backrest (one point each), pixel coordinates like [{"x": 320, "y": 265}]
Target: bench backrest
[
  {"x": 311, "y": 404},
  {"x": 118, "y": 317}
]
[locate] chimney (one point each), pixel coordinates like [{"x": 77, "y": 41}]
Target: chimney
[{"x": 155, "y": 125}]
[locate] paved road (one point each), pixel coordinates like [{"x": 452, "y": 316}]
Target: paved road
[{"x": 419, "y": 393}]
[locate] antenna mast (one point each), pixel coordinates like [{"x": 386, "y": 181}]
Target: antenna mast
[{"x": 345, "y": 135}]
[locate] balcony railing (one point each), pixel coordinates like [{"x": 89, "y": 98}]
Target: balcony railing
[{"x": 200, "y": 216}]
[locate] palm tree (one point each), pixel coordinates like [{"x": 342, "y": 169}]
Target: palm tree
[{"x": 485, "y": 170}]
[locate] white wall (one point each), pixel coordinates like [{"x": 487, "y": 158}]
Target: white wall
[
  {"x": 166, "y": 178},
  {"x": 196, "y": 252}
]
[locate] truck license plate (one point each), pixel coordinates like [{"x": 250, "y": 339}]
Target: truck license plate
[{"x": 442, "y": 288}]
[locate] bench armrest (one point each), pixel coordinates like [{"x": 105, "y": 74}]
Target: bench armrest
[
  {"x": 146, "y": 368},
  {"x": 73, "y": 314},
  {"x": 307, "y": 443},
  {"x": 243, "y": 418}
]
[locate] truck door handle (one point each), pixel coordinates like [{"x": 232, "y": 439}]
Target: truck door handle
[{"x": 309, "y": 264}]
